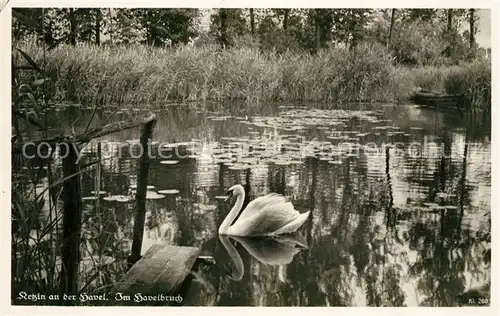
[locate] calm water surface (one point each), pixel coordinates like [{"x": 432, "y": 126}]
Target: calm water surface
[{"x": 400, "y": 225}]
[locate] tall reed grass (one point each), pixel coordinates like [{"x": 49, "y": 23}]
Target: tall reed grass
[{"x": 146, "y": 75}]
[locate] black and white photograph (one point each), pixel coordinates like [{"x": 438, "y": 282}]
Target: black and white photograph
[{"x": 250, "y": 156}]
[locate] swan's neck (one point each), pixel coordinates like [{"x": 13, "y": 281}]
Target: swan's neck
[
  {"x": 232, "y": 214},
  {"x": 235, "y": 256}
]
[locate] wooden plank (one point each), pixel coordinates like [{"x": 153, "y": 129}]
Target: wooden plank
[{"x": 161, "y": 271}]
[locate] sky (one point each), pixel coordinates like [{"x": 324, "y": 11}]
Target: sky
[{"x": 483, "y": 36}]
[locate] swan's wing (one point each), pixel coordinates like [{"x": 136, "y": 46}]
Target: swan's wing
[
  {"x": 259, "y": 203},
  {"x": 271, "y": 219}
]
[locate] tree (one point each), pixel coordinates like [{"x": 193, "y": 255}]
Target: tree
[
  {"x": 323, "y": 20},
  {"x": 72, "y": 22},
  {"x": 391, "y": 28},
  {"x": 167, "y": 25},
  {"x": 226, "y": 25},
  {"x": 349, "y": 25},
  {"x": 98, "y": 26},
  {"x": 252, "y": 22},
  {"x": 449, "y": 20},
  {"x": 223, "y": 27},
  {"x": 285, "y": 13},
  {"x": 26, "y": 21},
  {"x": 425, "y": 15},
  {"x": 472, "y": 30},
  {"x": 317, "y": 29},
  {"x": 285, "y": 18},
  {"x": 449, "y": 32}
]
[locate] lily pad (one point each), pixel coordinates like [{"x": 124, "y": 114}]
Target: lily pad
[
  {"x": 206, "y": 207},
  {"x": 430, "y": 204},
  {"x": 100, "y": 192},
  {"x": 169, "y": 162},
  {"x": 444, "y": 195},
  {"x": 150, "y": 195},
  {"x": 238, "y": 167},
  {"x": 335, "y": 162},
  {"x": 169, "y": 191},
  {"x": 122, "y": 198}
]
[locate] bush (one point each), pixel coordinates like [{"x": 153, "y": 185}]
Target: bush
[
  {"x": 417, "y": 44},
  {"x": 474, "y": 81}
]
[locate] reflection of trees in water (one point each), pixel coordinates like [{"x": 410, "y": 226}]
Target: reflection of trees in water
[
  {"x": 359, "y": 241},
  {"x": 444, "y": 252}
]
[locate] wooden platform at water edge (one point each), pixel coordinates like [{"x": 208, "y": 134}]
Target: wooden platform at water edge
[{"x": 157, "y": 278}]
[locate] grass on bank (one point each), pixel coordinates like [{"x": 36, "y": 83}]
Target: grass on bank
[{"x": 146, "y": 75}]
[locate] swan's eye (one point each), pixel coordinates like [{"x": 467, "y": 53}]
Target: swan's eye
[{"x": 230, "y": 193}]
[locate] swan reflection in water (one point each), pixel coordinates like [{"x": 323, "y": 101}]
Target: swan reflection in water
[{"x": 278, "y": 250}]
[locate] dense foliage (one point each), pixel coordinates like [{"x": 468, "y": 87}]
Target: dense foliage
[
  {"x": 325, "y": 55},
  {"x": 414, "y": 36}
]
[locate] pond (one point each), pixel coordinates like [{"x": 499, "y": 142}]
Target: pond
[{"x": 399, "y": 200}]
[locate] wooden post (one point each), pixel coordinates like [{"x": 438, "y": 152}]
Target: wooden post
[
  {"x": 72, "y": 215},
  {"x": 142, "y": 183}
]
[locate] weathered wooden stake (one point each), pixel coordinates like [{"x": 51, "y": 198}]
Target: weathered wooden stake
[
  {"x": 72, "y": 215},
  {"x": 142, "y": 183}
]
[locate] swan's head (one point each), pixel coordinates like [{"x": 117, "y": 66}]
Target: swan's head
[{"x": 235, "y": 190}]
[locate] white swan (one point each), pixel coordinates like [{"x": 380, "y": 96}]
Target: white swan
[
  {"x": 278, "y": 250},
  {"x": 268, "y": 215}
]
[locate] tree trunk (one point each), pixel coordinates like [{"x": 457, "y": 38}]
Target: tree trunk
[
  {"x": 285, "y": 19},
  {"x": 110, "y": 26},
  {"x": 449, "y": 32},
  {"x": 391, "y": 28},
  {"x": 72, "y": 23},
  {"x": 154, "y": 36},
  {"x": 317, "y": 28},
  {"x": 223, "y": 27},
  {"x": 450, "y": 21},
  {"x": 252, "y": 22},
  {"x": 48, "y": 36},
  {"x": 98, "y": 19},
  {"x": 471, "y": 31}
]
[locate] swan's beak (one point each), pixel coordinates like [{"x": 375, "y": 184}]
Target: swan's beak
[{"x": 229, "y": 195}]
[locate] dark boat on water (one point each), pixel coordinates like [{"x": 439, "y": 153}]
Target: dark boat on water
[{"x": 437, "y": 100}]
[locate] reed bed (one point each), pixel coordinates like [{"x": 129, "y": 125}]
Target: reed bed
[{"x": 146, "y": 75}]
